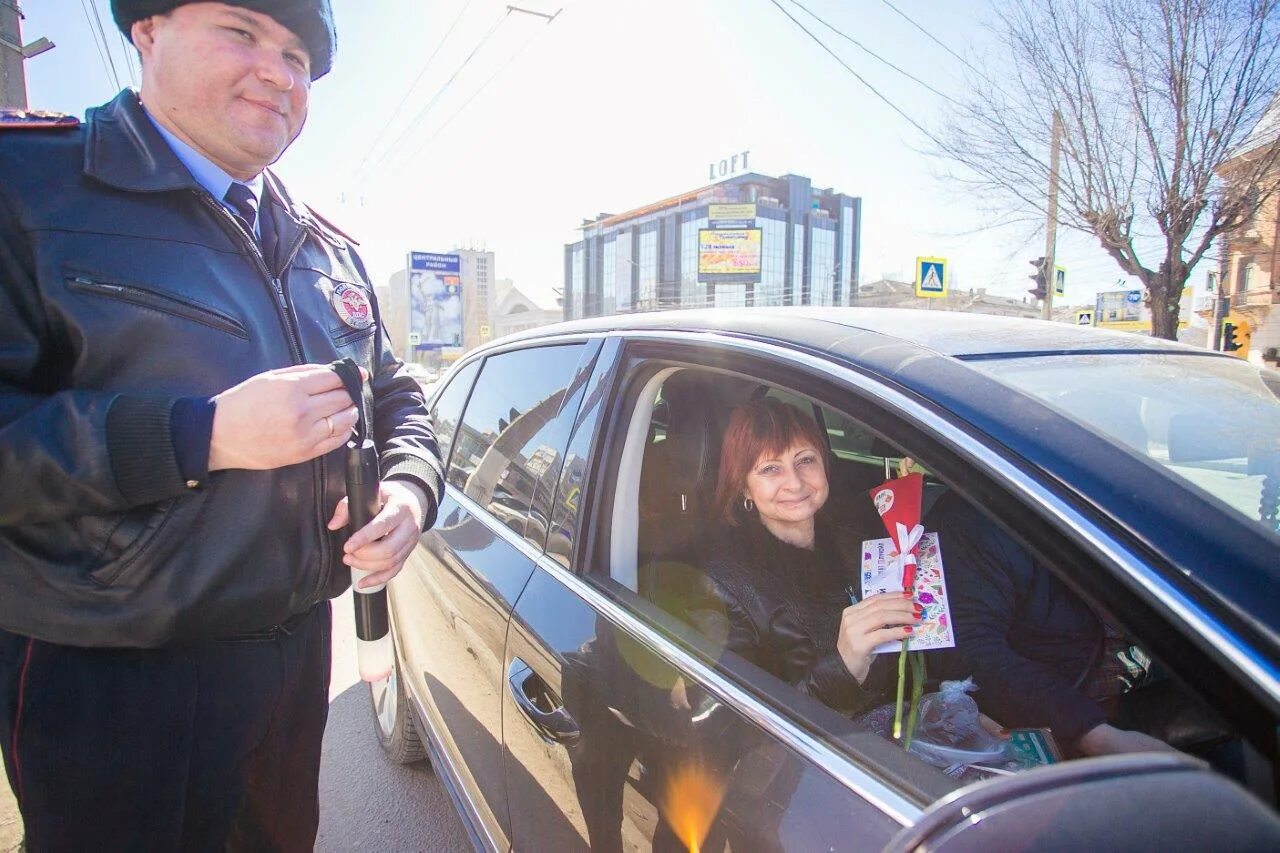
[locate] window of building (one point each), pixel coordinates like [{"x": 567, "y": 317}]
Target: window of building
[
  {"x": 797, "y": 267},
  {"x": 579, "y": 285},
  {"x": 510, "y": 436},
  {"x": 846, "y": 253},
  {"x": 693, "y": 293},
  {"x": 625, "y": 264},
  {"x": 609, "y": 277},
  {"x": 822, "y": 267},
  {"x": 773, "y": 263},
  {"x": 647, "y": 292}
]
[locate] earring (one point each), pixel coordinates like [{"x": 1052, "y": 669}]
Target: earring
[{"x": 748, "y": 504}]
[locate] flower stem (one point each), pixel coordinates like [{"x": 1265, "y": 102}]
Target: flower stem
[
  {"x": 917, "y": 690},
  {"x": 902, "y": 677}
]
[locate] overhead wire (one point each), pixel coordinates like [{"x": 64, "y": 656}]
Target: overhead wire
[
  {"x": 93, "y": 33},
  {"x": 931, "y": 36},
  {"x": 129, "y": 58},
  {"x": 858, "y": 76},
  {"x": 425, "y": 111},
  {"x": 105, "y": 44},
  {"x": 868, "y": 50},
  {"x": 474, "y": 95},
  {"x": 409, "y": 91}
]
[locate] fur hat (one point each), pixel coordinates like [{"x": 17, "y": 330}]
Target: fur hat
[{"x": 309, "y": 20}]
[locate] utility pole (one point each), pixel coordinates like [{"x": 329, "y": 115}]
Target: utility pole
[
  {"x": 1051, "y": 231},
  {"x": 13, "y": 77}
]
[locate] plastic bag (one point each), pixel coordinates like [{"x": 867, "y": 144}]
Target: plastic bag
[{"x": 949, "y": 729}]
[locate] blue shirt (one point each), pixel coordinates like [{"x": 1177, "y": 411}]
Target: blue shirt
[{"x": 208, "y": 174}]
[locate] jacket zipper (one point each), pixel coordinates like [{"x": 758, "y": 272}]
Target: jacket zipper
[
  {"x": 160, "y": 302},
  {"x": 295, "y": 347}
]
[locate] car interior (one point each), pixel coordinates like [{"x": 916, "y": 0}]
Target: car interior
[{"x": 662, "y": 514}]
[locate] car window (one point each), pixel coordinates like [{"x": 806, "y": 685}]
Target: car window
[
  {"x": 1000, "y": 603},
  {"x": 1215, "y": 422},
  {"x": 510, "y": 442},
  {"x": 448, "y": 407}
]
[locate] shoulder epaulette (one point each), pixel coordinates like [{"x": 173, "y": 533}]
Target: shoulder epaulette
[
  {"x": 12, "y": 118},
  {"x": 327, "y": 224}
]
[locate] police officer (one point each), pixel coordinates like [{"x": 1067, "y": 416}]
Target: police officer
[{"x": 171, "y": 491}]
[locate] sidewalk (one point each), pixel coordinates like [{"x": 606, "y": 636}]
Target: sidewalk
[{"x": 10, "y": 822}]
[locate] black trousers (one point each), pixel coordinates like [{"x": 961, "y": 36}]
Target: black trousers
[{"x": 206, "y": 747}]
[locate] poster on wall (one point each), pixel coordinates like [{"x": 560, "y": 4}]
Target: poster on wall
[
  {"x": 729, "y": 251},
  {"x": 435, "y": 302}
]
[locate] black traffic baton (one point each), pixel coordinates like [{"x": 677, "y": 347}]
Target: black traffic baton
[{"x": 373, "y": 625}]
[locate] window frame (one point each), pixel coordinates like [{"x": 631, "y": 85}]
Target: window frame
[
  {"x": 589, "y": 349},
  {"x": 984, "y": 467}
]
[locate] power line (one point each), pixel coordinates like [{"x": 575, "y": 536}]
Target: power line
[
  {"x": 868, "y": 50},
  {"x": 858, "y": 76},
  {"x": 128, "y": 58},
  {"x": 422, "y": 114},
  {"x": 105, "y": 44},
  {"x": 414, "y": 84},
  {"x": 474, "y": 95},
  {"x": 93, "y": 34},
  {"x": 931, "y": 37}
]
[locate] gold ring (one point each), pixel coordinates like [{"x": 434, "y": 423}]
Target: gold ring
[{"x": 328, "y": 422}]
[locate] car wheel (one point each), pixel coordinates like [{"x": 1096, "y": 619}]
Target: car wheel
[{"x": 393, "y": 718}]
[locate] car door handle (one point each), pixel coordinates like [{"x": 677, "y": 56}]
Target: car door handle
[{"x": 543, "y": 708}]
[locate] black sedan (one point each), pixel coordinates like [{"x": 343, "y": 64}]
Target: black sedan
[{"x": 547, "y": 666}]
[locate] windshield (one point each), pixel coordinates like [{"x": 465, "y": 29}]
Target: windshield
[{"x": 1213, "y": 421}]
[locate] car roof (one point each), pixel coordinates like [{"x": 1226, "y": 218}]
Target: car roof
[{"x": 951, "y": 333}]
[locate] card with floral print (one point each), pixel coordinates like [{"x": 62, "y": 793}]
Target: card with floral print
[{"x": 881, "y": 573}]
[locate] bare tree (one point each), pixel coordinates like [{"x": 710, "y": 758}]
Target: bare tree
[{"x": 1155, "y": 96}]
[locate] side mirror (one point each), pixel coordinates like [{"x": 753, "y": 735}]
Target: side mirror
[{"x": 1146, "y": 801}]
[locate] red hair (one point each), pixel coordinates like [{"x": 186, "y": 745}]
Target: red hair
[{"x": 756, "y": 428}]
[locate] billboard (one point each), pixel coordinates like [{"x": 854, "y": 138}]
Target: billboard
[
  {"x": 435, "y": 301},
  {"x": 729, "y": 251}
]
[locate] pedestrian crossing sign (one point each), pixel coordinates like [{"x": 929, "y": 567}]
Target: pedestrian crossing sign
[
  {"x": 1060, "y": 281},
  {"x": 1084, "y": 317},
  {"x": 931, "y": 277}
]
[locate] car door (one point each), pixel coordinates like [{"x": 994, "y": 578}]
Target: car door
[
  {"x": 618, "y": 738},
  {"x": 452, "y": 603},
  {"x": 625, "y": 729}
]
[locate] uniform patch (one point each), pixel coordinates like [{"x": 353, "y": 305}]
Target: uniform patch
[
  {"x": 352, "y": 306},
  {"x": 12, "y": 118}
]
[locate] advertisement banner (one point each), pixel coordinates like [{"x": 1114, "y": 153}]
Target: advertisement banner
[
  {"x": 731, "y": 211},
  {"x": 733, "y": 252},
  {"x": 435, "y": 301}
]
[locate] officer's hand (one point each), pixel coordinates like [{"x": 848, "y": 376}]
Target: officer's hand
[
  {"x": 382, "y": 545},
  {"x": 281, "y": 417}
]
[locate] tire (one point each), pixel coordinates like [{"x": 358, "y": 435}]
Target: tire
[{"x": 393, "y": 719}]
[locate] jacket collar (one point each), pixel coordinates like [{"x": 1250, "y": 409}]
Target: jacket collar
[{"x": 124, "y": 150}]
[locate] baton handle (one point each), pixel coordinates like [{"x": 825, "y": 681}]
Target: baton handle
[{"x": 373, "y": 641}]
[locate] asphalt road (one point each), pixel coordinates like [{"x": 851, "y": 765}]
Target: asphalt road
[{"x": 366, "y": 802}]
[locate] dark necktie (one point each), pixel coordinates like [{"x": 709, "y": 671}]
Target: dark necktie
[{"x": 245, "y": 204}]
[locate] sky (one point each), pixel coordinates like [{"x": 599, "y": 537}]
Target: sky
[{"x": 458, "y": 124}]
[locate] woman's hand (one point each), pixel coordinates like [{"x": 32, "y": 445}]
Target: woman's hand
[{"x": 883, "y": 618}]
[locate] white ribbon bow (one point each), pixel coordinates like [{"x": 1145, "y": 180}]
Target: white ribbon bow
[{"x": 907, "y": 541}]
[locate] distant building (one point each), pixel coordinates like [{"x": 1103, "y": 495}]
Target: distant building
[
  {"x": 513, "y": 311},
  {"x": 748, "y": 240},
  {"x": 478, "y": 276},
  {"x": 888, "y": 293},
  {"x": 1249, "y": 282}
]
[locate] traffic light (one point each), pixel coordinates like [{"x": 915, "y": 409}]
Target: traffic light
[
  {"x": 1235, "y": 336},
  {"x": 1229, "y": 342},
  {"x": 1041, "y": 290}
]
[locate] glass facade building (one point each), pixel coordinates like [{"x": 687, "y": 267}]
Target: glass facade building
[{"x": 749, "y": 240}]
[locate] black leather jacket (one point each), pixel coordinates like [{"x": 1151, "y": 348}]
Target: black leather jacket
[
  {"x": 780, "y": 606},
  {"x": 123, "y": 286}
]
